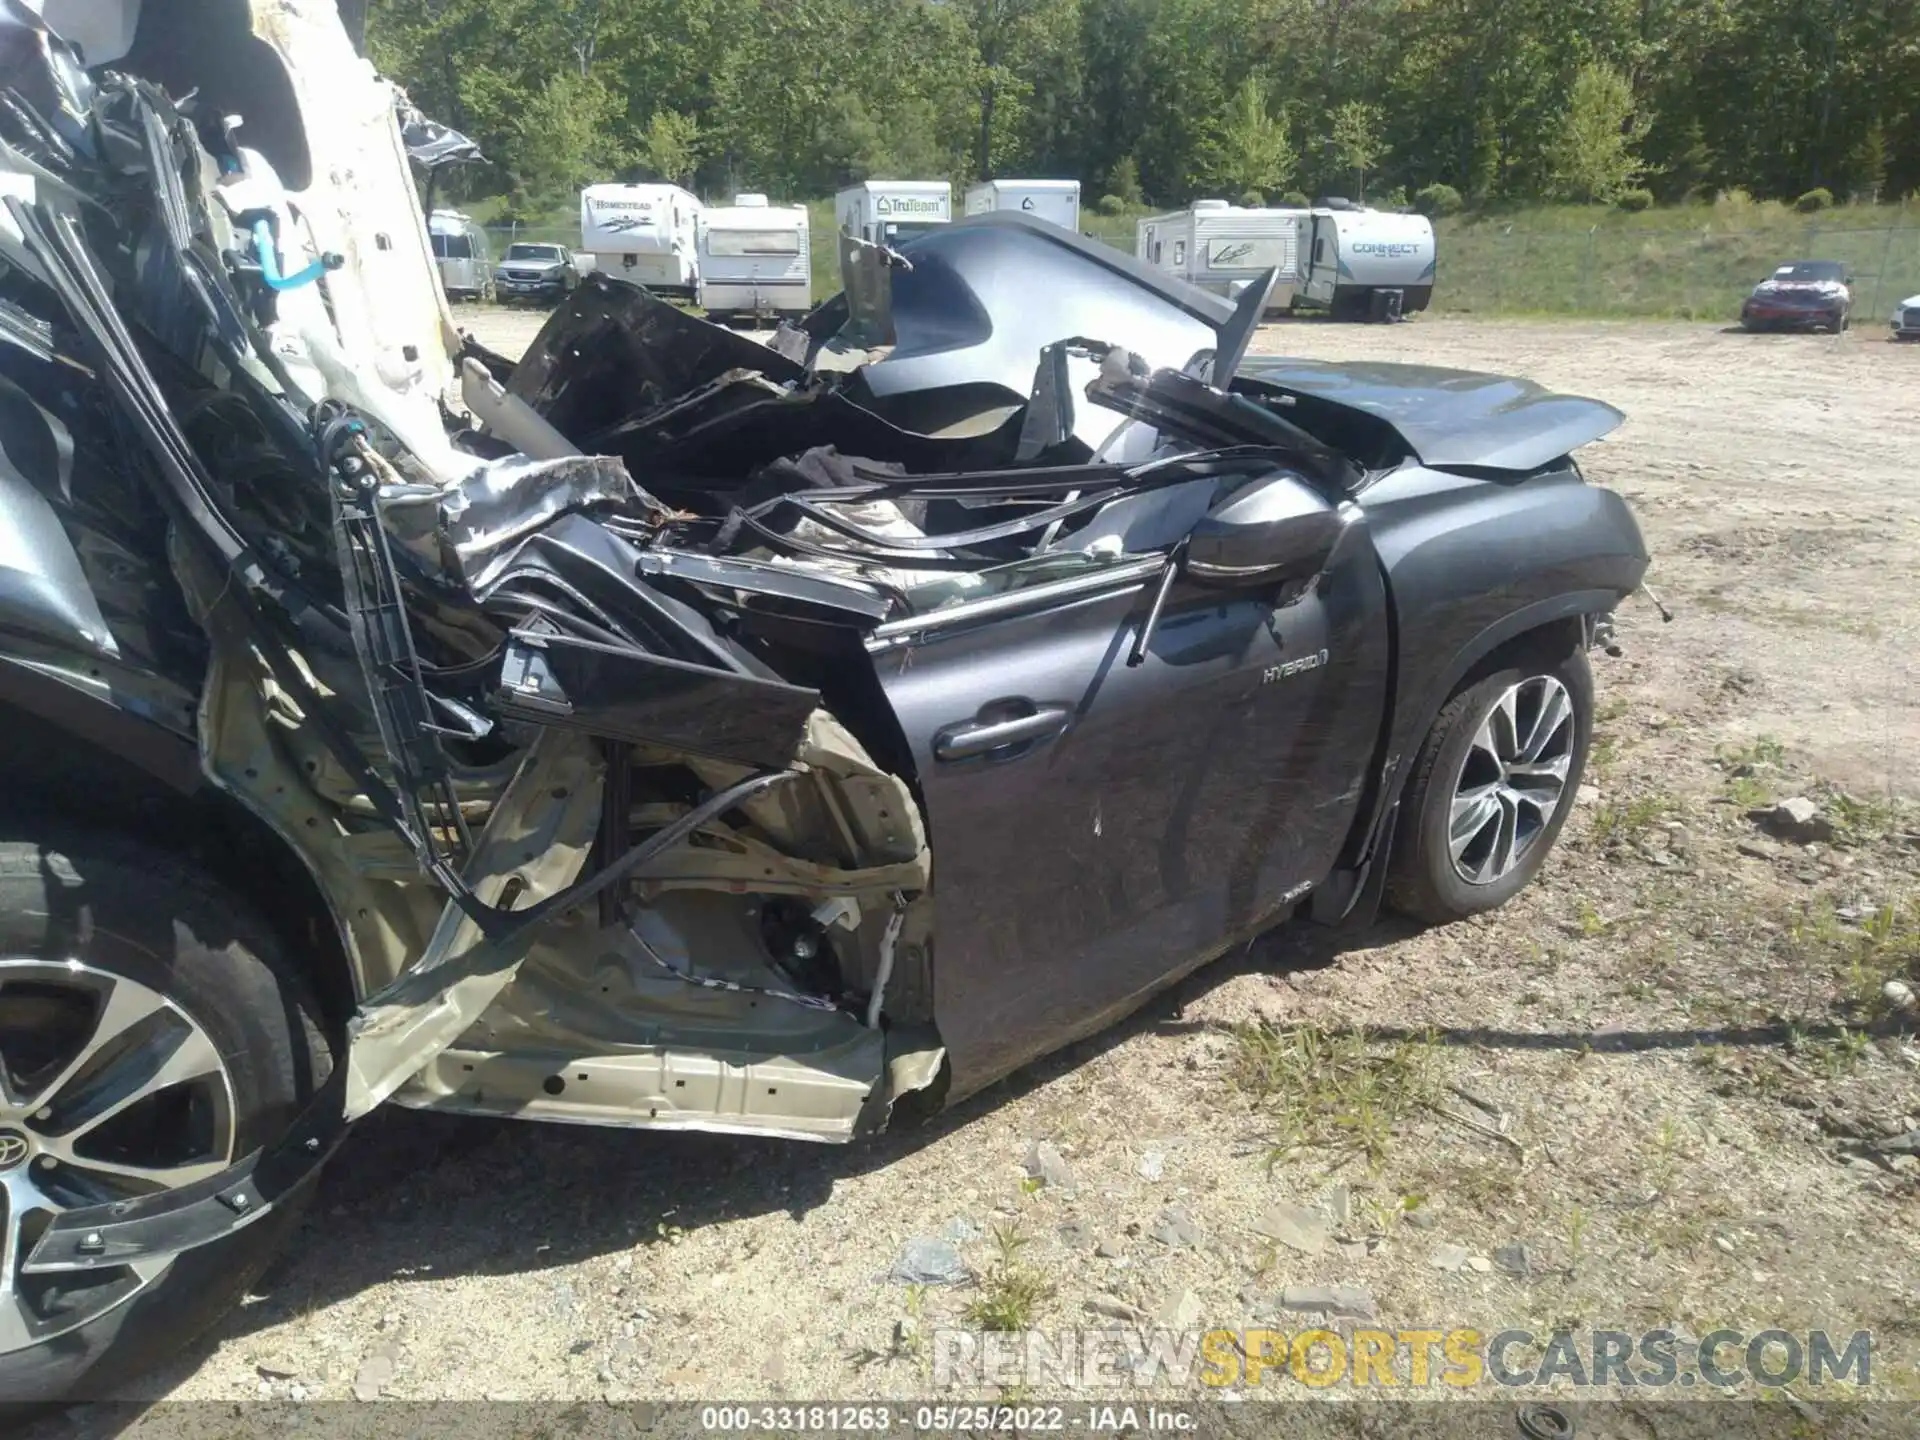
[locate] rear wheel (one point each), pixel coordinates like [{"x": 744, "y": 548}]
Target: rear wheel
[
  {"x": 1491, "y": 787},
  {"x": 151, "y": 1033}
]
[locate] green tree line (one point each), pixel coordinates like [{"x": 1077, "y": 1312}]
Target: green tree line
[{"x": 1500, "y": 101}]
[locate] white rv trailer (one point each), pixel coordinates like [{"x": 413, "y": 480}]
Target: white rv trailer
[
  {"x": 1362, "y": 263},
  {"x": 460, "y": 255},
  {"x": 755, "y": 259},
  {"x": 647, "y": 234},
  {"x": 1055, "y": 200},
  {"x": 1216, "y": 246},
  {"x": 888, "y": 211}
]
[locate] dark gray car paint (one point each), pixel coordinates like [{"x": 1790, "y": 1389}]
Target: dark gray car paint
[
  {"x": 43, "y": 590},
  {"x": 83, "y": 591},
  {"x": 965, "y": 313},
  {"x": 1450, "y": 417},
  {"x": 1191, "y": 800},
  {"x": 1187, "y": 801},
  {"x": 1473, "y": 561}
]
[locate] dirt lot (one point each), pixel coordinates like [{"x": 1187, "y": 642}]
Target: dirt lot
[{"x": 1678, "y": 1037}]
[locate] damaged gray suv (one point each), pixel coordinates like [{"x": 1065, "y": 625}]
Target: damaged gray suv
[{"x": 572, "y": 739}]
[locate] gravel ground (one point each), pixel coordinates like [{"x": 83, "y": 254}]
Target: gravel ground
[{"x": 1687, "y": 1138}]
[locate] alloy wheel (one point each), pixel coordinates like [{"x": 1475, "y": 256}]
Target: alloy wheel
[
  {"x": 1513, "y": 779},
  {"x": 108, "y": 1090}
]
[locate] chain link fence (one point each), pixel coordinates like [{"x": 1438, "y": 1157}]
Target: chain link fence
[
  {"x": 1698, "y": 273},
  {"x": 499, "y": 237},
  {"x": 1486, "y": 267}
]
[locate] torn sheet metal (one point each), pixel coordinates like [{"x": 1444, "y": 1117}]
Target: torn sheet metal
[
  {"x": 431, "y": 144},
  {"x": 50, "y": 92},
  {"x": 775, "y": 587},
  {"x": 614, "y": 351},
  {"x": 597, "y": 574},
  {"x": 965, "y": 313},
  {"x": 465, "y": 530},
  {"x": 1449, "y": 417},
  {"x": 618, "y": 694}
]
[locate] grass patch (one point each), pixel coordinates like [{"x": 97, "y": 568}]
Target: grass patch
[
  {"x": 1675, "y": 1225},
  {"x": 1687, "y": 262},
  {"x": 1864, "y": 956},
  {"x": 1744, "y": 759},
  {"x": 1622, "y": 822},
  {"x": 1668, "y": 1147},
  {"x": 1830, "y": 1059},
  {"x": 1486, "y": 1185},
  {"x": 1590, "y": 922},
  {"x": 1751, "y": 770},
  {"x": 1602, "y": 756},
  {"x": 1333, "y": 1090},
  {"x": 1578, "y": 1223},
  {"x": 1858, "y": 820},
  {"x": 1011, "y": 1292}
]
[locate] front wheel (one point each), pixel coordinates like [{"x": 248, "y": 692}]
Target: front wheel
[
  {"x": 1491, "y": 787},
  {"x": 152, "y": 1032}
]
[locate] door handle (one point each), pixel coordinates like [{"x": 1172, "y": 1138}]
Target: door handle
[{"x": 959, "y": 742}]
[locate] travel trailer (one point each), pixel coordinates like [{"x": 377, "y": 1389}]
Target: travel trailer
[
  {"x": 460, "y": 255},
  {"x": 647, "y": 234},
  {"x": 888, "y": 211},
  {"x": 755, "y": 260},
  {"x": 1055, "y": 200},
  {"x": 1366, "y": 264},
  {"x": 1216, "y": 245}
]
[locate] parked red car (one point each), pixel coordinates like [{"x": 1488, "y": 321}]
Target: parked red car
[{"x": 1814, "y": 293}]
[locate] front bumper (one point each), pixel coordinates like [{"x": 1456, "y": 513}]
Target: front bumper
[
  {"x": 1751, "y": 314},
  {"x": 545, "y": 289}
]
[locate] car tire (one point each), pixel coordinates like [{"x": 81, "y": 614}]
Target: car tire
[
  {"x": 1439, "y": 873},
  {"x": 134, "y": 933}
]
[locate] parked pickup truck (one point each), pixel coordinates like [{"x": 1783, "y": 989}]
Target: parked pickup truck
[
  {"x": 535, "y": 271},
  {"x": 585, "y": 762}
]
